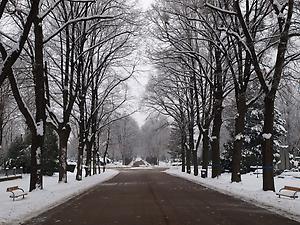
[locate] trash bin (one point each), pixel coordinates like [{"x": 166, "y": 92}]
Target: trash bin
[
  {"x": 71, "y": 168},
  {"x": 203, "y": 173}
]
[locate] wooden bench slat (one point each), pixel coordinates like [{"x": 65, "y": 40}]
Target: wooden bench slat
[
  {"x": 292, "y": 188},
  {"x": 9, "y": 189}
]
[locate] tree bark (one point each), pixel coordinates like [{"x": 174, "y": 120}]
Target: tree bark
[
  {"x": 215, "y": 142},
  {"x": 95, "y": 150},
  {"x": 63, "y": 133},
  {"x": 98, "y": 162},
  {"x": 183, "y": 140},
  {"x": 267, "y": 144},
  {"x": 97, "y": 153},
  {"x": 195, "y": 162},
  {"x": 88, "y": 164},
  {"x": 33, "y": 164},
  {"x": 217, "y": 116},
  {"x": 91, "y": 154},
  {"x": 188, "y": 159},
  {"x": 239, "y": 138},
  {"x": 40, "y": 102},
  {"x": 82, "y": 99},
  {"x": 183, "y": 136},
  {"x": 2, "y": 108},
  {"x": 205, "y": 155},
  {"x": 191, "y": 128},
  {"x": 81, "y": 139},
  {"x": 94, "y": 155},
  {"x": 106, "y": 148}
]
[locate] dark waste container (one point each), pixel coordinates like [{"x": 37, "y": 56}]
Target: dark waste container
[
  {"x": 203, "y": 173},
  {"x": 71, "y": 168}
]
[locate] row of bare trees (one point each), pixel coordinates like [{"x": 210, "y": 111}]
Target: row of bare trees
[
  {"x": 74, "y": 57},
  {"x": 209, "y": 51}
]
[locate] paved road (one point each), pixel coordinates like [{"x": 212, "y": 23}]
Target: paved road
[{"x": 150, "y": 197}]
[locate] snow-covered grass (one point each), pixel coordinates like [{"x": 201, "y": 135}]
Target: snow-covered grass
[
  {"x": 290, "y": 174},
  {"x": 250, "y": 190},
  {"x": 164, "y": 164},
  {"x": 39, "y": 201},
  {"x": 142, "y": 168}
]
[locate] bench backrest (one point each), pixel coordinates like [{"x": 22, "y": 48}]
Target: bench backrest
[
  {"x": 292, "y": 188},
  {"x": 9, "y": 189}
]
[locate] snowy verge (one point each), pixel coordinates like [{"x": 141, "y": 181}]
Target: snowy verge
[
  {"x": 39, "y": 201},
  {"x": 250, "y": 190},
  {"x": 142, "y": 168}
]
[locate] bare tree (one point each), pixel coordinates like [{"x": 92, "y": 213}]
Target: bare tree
[{"x": 284, "y": 13}]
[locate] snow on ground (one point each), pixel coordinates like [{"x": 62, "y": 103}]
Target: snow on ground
[
  {"x": 143, "y": 165},
  {"x": 39, "y": 201},
  {"x": 142, "y": 168},
  {"x": 139, "y": 162},
  {"x": 164, "y": 164},
  {"x": 250, "y": 190},
  {"x": 117, "y": 164},
  {"x": 290, "y": 174}
]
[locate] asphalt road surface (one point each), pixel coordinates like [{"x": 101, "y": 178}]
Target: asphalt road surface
[{"x": 151, "y": 197}]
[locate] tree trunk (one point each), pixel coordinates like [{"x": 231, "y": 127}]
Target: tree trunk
[
  {"x": 33, "y": 164},
  {"x": 88, "y": 159},
  {"x": 3, "y": 97},
  {"x": 80, "y": 159},
  {"x": 123, "y": 160},
  {"x": 98, "y": 162},
  {"x": 192, "y": 150},
  {"x": 94, "y": 158},
  {"x": 267, "y": 144},
  {"x": 80, "y": 151},
  {"x": 239, "y": 138},
  {"x": 106, "y": 148},
  {"x": 183, "y": 140},
  {"x": 205, "y": 155},
  {"x": 63, "y": 133},
  {"x": 97, "y": 153},
  {"x": 81, "y": 138},
  {"x": 82, "y": 98},
  {"x": 188, "y": 159},
  {"x": 215, "y": 142},
  {"x": 1, "y": 123},
  {"x": 217, "y": 116},
  {"x": 195, "y": 162},
  {"x": 183, "y": 137},
  {"x": 40, "y": 102}
]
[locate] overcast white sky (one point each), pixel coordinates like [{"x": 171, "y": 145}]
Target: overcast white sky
[
  {"x": 137, "y": 85},
  {"x": 146, "y": 3}
]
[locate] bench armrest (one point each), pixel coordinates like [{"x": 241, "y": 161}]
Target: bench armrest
[{"x": 21, "y": 189}]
